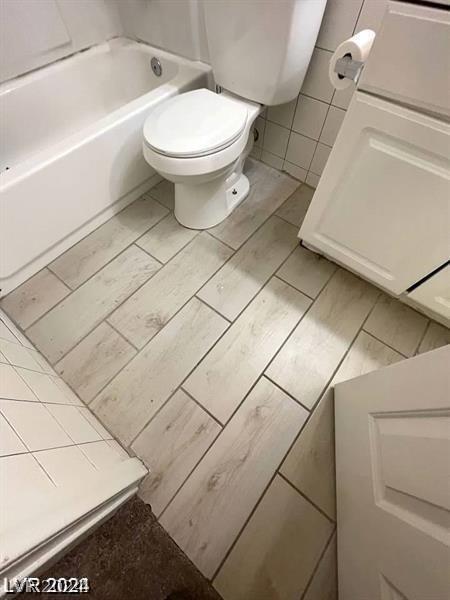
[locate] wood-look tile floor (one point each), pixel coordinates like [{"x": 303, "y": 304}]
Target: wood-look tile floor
[{"x": 212, "y": 356}]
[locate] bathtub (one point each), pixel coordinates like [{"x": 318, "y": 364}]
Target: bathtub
[{"x": 71, "y": 138}]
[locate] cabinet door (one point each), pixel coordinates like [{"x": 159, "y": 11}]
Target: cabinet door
[
  {"x": 410, "y": 58},
  {"x": 392, "y": 473},
  {"x": 382, "y": 205},
  {"x": 434, "y": 295}
]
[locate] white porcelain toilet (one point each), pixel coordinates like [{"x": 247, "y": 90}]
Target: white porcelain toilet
[{"x": 199, "y": 140}]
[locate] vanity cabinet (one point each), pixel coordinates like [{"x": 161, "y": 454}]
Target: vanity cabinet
[{"x": 382, "y": 206}]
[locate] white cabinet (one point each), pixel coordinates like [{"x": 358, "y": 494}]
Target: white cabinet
[
  {"x": 434, "y": 294},
  {"x": 382, "y": 206}
]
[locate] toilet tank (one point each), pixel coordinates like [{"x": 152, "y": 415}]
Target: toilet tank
[{"x": 260, "y": 49}]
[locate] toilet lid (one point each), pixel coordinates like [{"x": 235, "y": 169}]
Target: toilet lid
[{"x": 193, "y": 124}]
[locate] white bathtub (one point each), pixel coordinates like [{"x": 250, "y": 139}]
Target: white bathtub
[{"x": 71, "y": 157}]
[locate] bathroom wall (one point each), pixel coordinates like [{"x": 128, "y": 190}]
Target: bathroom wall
[
  {"x": 297, "y": 137},
  {"x": 34, "y": 33},
  {"x": 175, "y": 25}
]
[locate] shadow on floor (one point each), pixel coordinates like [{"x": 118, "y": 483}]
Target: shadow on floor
[{"x": 131, "y": 556}]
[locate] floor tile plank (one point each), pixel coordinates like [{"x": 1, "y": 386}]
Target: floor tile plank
[
  {"x": 65, "y": 325},
  {"x": 268, "y": 190},
  {"x": 277, "y": 552},
  {"x": 142, "y": 387},
  {"x": 308, "y": 359},
  {"x": 94, "y": 361},
  {"x": 323, "y": 585},
  {"x": 34, "y": 298},
  {"x": 93, "y": 252},
  {"x": 306, "y": 271},
  {"x": 310, "y": 464},
  {"x": 397, "y": 325},
  {"x": 296, "y": 206},
  {"x": 225, "y": 376},
  {"x": 212, "y": 506},
  {"x": 241, "y": 278},
  {"x": 164, "y": 193},
  {"x": 171, "y": 445},
  {"x": 166, "y": 239},
  {"x": 149, "y": 309},
  {"x": 436, "y": 336}
]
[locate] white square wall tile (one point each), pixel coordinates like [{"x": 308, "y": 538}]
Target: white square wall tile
[
  {"x": 320, "y": 158},
  {"x": 65, "y": 466},
  {"x": 300, "y": 150},
  {"x": 22, "y": 481},
  {"x": 310, "y": 116},
  {"x": 294, "y": 170},
  {"x": 34, "y": 424},
  {"x": 339, "y": 21},
  {"x": 102, "y": 431},
  {"x": 316, "y": 83},
  {"x": 342, "y": 98},
  {"x": 6, "y": 334},
  {"x": 312, "y": 179},
  {"x": 12, "y": 386},
  {"x": 43, "y": 386},
  {"x": 101, "y": 454},
  {"x": 74, "y": 424},
  {"x": 10, "y": 442},
  {"x": 332, "y": 125},
  {"x": 270, "y": 159},
  {"x": 118, "y": 448},
  {"x": 18, "y": 355},
  {"x": 282, "y": 114},
  {"x": 276, "y": 139}
]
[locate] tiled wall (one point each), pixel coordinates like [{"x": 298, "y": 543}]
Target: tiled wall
[
  {"x": 48, "y": 438},
  {"x": 297, "y": 137}
]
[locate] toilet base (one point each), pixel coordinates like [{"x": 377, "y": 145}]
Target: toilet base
[{"x": 207, "y": 204}]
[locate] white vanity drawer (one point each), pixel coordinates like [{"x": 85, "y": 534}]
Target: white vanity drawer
[{"x": 410, "y": 58}]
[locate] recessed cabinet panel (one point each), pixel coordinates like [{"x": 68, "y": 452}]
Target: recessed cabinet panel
[{"x": 382, "y": 204}]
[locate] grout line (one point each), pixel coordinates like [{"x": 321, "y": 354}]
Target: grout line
[
  {"x": 39, "y": 401},
  {"x": 44, "y": 469},
  {"x": 209, "y": 305},
  {"x": 201, "y": 406},
  {"x": 423, "y": 337},
  {"x": 316, "y": 568},
  {"x": 305, "y": 497},
  {"x": 114, "y": 328},
  {"x": 383, "y": 342},
  {"x": 277, "y": 385},
  {"x": 48, "y": 268}
]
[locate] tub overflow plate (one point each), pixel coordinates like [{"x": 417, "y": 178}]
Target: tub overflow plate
[{"x": 156, "y": 66}]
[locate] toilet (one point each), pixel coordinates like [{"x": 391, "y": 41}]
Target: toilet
[{"x": 199, "y": 140}]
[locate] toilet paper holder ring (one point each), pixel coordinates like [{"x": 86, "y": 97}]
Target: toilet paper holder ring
[{"x": 348, "y": 68}]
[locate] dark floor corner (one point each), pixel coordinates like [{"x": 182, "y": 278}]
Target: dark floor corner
[{"x": 131, "y": 556}]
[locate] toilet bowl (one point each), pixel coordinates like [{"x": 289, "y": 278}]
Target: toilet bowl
[
  {"x": 199, "y": 140},
  {"x": 259, "y": 54}
]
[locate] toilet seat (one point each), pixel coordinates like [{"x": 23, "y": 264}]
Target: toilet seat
[{"x": 195, "y": 124}]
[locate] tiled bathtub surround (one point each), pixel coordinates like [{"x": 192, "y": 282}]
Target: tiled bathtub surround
[
  {"x": 48, "y": 438},
  {"x": 213, "y": 356},
  {"x": 298, "y": 137}
]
